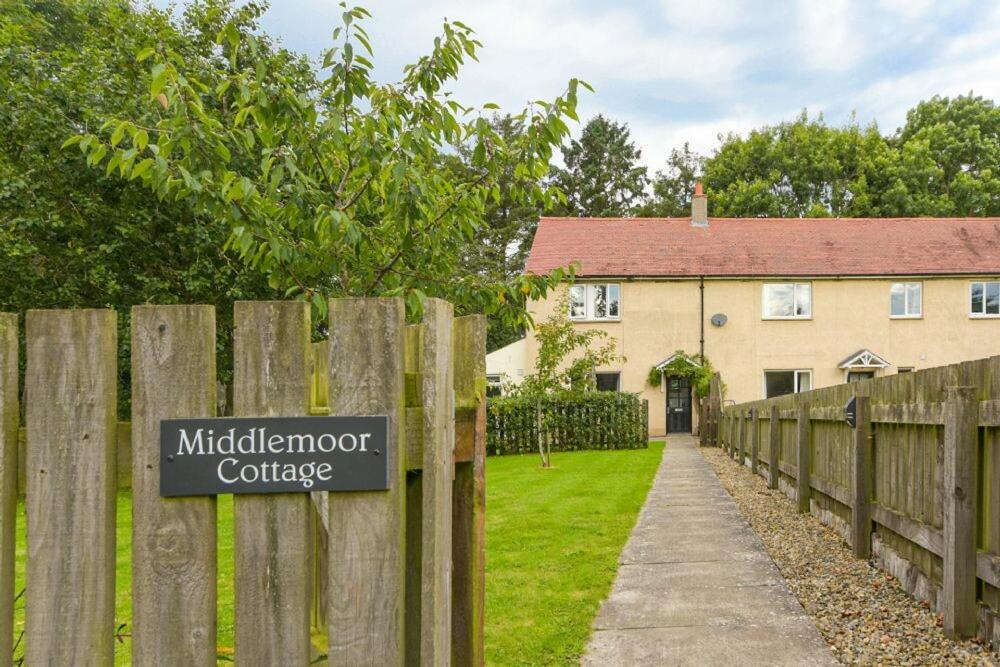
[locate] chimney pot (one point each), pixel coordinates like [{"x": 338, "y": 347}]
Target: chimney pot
[{"x": 699, "y": 207}]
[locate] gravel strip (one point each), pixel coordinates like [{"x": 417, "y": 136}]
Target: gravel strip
[{"x": 861, "y": 611}]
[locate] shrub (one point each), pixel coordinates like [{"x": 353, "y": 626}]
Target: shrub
[{"x": 566, "y": 421}]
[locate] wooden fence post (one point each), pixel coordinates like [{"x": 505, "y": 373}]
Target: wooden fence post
[
  {"x": 9, "y": 420},
  {"x": 861, "y": 480},
  {"x": 754, "y": 440},
  {"x": 70, "y": 392},
  {"x": 366, "y": 591},
  {"x": 741, "y": 450},
  {"x": 469, "y": 494},
  {"x": 803, "y": 432},
  {"x": 438, "y": 471},
  {"x": 715, "y": 407},
  {"x": 961, "y": 449},
  {"x": 273, "y": 540},
  {"x": 774, "y": 449},
  {"x": 173, "y": 539}
]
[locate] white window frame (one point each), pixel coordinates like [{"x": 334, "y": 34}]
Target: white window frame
[
  {"x": 983, "y": 315},
  {"x": 763, "y": 302},
  {"x": 906, "y": 301},
  {"x": 797, "y": 374},
  {"x": 589, "y": 290}
]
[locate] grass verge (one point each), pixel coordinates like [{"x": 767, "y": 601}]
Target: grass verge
[{"x": 552, "y": 543}]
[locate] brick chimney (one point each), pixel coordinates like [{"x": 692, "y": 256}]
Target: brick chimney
[{"x": 699, "y": 207}]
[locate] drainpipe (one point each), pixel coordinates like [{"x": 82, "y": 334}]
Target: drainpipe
[{"x": 701, "y": 294}]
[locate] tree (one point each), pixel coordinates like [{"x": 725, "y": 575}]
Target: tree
[
  {"x": 335, "y": 184},
  {"x": 602, "y": 176},
  {"x": 674, "y": 186},
  {"x": 71, "y": 236},
  {"x": 498, "y": 249},
  {"x": 799, "y": 168},
  {"x": 950, "y": 159}
]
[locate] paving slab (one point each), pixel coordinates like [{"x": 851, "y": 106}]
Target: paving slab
[{"x": 695, "y": 586}]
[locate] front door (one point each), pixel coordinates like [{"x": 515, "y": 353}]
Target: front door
[{"x": 678, "y": 405}]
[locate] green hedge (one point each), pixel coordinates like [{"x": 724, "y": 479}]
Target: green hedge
[{"x": 592, "y": 420}]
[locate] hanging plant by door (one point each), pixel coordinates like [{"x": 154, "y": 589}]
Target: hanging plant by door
[{"x": 694, "y": 367}]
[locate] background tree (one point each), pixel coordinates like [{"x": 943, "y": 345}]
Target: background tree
[
  {"x": 70, "y": 235},
  {"x": 335, "y": 185},
  {"x": 673, "y": 187},
  {"x": 499, "y": 248},
  {"x": 602, "y": 175}
]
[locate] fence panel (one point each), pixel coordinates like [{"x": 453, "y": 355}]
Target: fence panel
[
  {"x": 273, "y": 534},
  {"x": 173, "y": 541},
  {"x": 367, "y": 529},
  {"x": 9, "y": 437},
  {"x": 927, "y": 507},
  {"x": 70, "y": 390}
]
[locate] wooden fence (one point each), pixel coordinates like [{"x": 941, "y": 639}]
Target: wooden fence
[
  {"x": 914, "y": 484},
  {"x": 393, "y": 577}
]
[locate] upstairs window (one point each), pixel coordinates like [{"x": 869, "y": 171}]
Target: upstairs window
[
  {"x": 984, "y": 299},
  {"x": 787, "y": 301},
  {"x": 595, "y": 301},
  {"x": 905, "y": 300}
]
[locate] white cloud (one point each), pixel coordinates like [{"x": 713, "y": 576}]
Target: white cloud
[{"x": 827, "y": 36}]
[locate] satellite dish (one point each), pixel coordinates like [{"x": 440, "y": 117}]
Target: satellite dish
[{"x": 719, "y": 319}]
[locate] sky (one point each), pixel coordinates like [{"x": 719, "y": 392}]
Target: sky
[{"x": 687, "y": 70}]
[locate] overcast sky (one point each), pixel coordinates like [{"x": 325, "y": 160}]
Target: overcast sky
[{"x": 687, "y": 70}]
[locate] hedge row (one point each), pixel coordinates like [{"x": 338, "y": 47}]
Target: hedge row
[{"x": 591, "y": 420}]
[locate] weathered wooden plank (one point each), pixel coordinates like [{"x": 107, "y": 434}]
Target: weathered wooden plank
[
  {"x": 173, "y": 539},
  {"x": 741, "y": 450},
  {"x": 922, "y": 534},
  {"x": 828, "y": 488},
  {"x": 829, "y": 413},
  {"x": 320, "y": 395},
  {"x": 439, "y": 443},
  {"x": 961, "y": 449},
  {"x": 908, "y": 413},
  {"x": 272, "y": 363},
  {"x": 861, "y": 480},
  {"x": 9, "y": 418},
  {"x": 755, "y": 441},
  {"x": 367, "y": 529},
  {"x": 989, "y": 412},
  {"x": 469, "y": 494},
  {"x": 70, "y": 397},
  {"x": 988, "y": 568},
  {"x": 789, "y": 469},
  {"x": 774, "y": 449},
  {"x": 803, "y": 433}
]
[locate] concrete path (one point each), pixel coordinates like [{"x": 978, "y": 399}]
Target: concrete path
[{"x": 695, "y": 585}]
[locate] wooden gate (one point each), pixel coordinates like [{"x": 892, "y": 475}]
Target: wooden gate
[{"x": 401, "y": 578}]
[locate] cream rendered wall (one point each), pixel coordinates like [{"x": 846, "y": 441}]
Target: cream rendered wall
[
  {"x": 509, "y": 362},
  {"x": 660, "y": 317}
]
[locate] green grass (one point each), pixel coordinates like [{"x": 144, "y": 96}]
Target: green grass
[
  {"x": 552, "y": 539},
  {"x": 552, "y": 543}
]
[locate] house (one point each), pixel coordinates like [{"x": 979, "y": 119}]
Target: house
[
  {"x": 776, "y": 305},
  {"x": 505, "y": 366}
]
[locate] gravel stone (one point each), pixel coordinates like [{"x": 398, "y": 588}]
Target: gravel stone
[{"x": 861, "y": 611}]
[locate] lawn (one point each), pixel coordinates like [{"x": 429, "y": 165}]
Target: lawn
[
  {"x": 553, "y": 538},
  {"x": 552, "y": 544}
]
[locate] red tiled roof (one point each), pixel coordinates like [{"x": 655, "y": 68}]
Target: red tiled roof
[{"x": 768, "y": 246}]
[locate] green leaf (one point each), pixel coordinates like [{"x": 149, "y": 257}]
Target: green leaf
[
  {"x": 144, "y": 54},
  {"x": 141, "y": 168}
]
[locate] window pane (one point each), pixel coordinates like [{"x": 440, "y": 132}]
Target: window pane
[
  {"x": 614, "y": 299},
  {"x": 897, "y": 299},
  {"x": 977, "y": 298},
  {"x": 577, "y": 307},
  {"x": 607, "y": 381},
  {"x": 803, "y": 299},
  {"x": 805, "y": 381},
  {"x": 993, "y": 298},
  {"x": 599, "y": 296},
  {"x": 913, "y": 294},
  {"x": 778, "y": 300},
  {"x": 779, "y": 383}
]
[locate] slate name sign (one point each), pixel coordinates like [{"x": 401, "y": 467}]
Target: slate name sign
[{"x": 273, "y": 455}]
